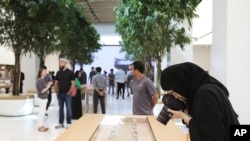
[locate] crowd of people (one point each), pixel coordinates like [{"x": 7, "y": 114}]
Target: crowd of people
[
  {"x": 112, "y": 83},
  {"x": 208, "y": 112}
]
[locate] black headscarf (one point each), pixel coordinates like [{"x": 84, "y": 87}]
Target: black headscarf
[
  {"x": 185, "y": 79},
  {"x": 77, "y": 74}
]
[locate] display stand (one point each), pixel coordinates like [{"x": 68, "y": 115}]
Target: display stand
[{"x": 95, "y": 127}]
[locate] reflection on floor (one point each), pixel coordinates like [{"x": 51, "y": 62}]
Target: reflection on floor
[{"x": 24, "y": 128}]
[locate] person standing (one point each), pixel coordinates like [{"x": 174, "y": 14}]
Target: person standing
[
  {"x": 145, "y": 95},
  {"x": 129, "y": 78},
  {"x": 48, "y": 78},
  {"x": 64, "y": 84},
  {"x": 77, "y": 99},
  {"x": 53, "y": 75},
  {"x": 120, "y": 78},
  {"x": 111, "y": 80},
  {"x": 83, "y": 78},
  {"x": 42, "y": 89},
  {"x": 91, "y": 74},
  {"x": 100, "y": 85},
  {"x": 22, "y": 77}
]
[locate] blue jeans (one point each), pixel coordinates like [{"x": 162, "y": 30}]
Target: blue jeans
[{"x": 64, "y": 98}]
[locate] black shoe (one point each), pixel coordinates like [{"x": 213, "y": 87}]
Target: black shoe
[
  {"x": 46, "y": 114},
  {"x": 117, "y": 97},
  {"x": 128, "y": 95}
]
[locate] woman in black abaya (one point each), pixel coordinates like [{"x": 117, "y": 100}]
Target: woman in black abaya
[
  {"x": 208, "y": 112},
  {"x": 77, "y": 99}
]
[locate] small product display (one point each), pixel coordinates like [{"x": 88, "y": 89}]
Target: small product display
[{"x": 123, "y": 128}]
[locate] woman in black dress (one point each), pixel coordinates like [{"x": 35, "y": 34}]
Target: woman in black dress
[
  {"x": 208, "y": 112},
  {"x": 77, "y": 99}
]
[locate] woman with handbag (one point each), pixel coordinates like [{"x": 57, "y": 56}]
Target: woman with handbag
[{"x": 77, "y": 97}]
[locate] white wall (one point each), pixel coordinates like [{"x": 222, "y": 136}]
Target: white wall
[
  {"x": 203, "y": 24},
  {"x": 230, "y": 52},
  {"x": 52, "y": 62},
  {"x": 6, "y": 56},
  {"x": 178, "y": 55},
  {"x": 30, "y": 67},
  {"x": 201, "y": 56}
]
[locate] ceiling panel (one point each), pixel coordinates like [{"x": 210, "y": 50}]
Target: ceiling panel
[{"x": 100, "y": 11}]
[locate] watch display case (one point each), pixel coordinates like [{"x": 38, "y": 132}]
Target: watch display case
[
  {"x": 123, "y": 128},
  {"x": 101, "y": 127}
]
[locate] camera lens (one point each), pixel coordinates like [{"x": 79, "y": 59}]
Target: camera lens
[
  {"x": 169, "y": 102},
  {"x": 164, "y": 116}
]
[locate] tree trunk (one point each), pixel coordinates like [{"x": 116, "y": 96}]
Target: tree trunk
[
  {"x": 42, "y": 61},
  {"x": 73, "y": 63},
  {"x": 158, "y": 84},
  {"x": 148, "y": 67},
  {"x": 42, "y": 57},
  {"x": 16, "y": 72}
]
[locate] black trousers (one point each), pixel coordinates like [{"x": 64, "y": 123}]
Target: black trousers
[
  {"x": 21, "y": 88},
  {"x": 101, "y": 98},
  {"x": 120, "y": 86},
  {"x": 77, "y": 105},
  {"x": 49, "y": 99}
]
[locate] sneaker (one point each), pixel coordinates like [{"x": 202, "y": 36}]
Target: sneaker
[
  {"x": 59, "y": 126},
  {"x": 68, "y": 125}
]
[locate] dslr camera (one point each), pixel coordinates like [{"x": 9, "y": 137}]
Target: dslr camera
[{"x": 171, "y": 102}]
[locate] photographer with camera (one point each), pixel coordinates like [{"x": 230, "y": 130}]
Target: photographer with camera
[{"x": 199, "y": 100}]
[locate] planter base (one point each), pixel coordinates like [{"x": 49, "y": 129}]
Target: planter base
[{"x": 16, "y": 105}]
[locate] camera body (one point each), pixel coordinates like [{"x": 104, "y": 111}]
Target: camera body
[{"x": 171, "y": 102}]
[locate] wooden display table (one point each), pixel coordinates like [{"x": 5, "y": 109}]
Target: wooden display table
[
  {"x": 4, "y": 86},
  {"x": 114, "y": 127},
  {"x": 87, "y": 91},
  {"x": 34, "y": 93}
]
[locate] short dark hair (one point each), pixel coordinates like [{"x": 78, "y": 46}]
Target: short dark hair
[
  {"x": 44, "y": 67},
  {"x": 98, "y": 69},
  {"x": 111, "y": 69},
  {"x": 138, "y": 65}
]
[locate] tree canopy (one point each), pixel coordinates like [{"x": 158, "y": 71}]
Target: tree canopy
[
  {"x": 150, "y": 28},
  {"x": 45, "y": 26}
]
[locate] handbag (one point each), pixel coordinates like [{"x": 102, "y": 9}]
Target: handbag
[
  {"x": 74, "y": 91},
  {"x": 76, "y": 86}
]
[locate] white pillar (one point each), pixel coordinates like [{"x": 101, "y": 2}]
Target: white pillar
[{"x": 230, "y": 52}]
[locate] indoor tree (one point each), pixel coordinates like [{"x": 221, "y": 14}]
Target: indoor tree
[
  {"x": 150, "y": 28},
  {"x": 15, "y": 33},
  {"x": 80, "y": 38},
  {"x": 42, "y": 27}
]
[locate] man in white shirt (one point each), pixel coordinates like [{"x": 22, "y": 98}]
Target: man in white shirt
[{"x": 120, "y": 78}]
